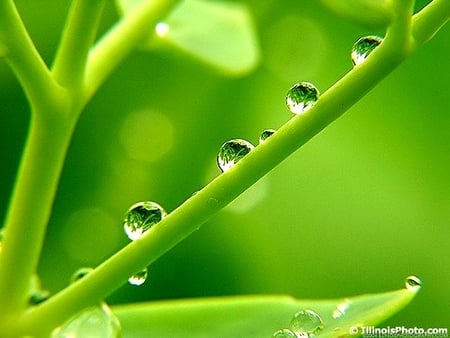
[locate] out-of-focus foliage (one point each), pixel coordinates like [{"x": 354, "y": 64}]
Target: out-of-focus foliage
[{"x": 361, "y": 206}]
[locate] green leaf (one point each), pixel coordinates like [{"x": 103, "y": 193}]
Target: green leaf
[
  {"x": 254, "y": 316},
  {"x": 220, "y": 34},
  {"x": 368, "y": 13}
]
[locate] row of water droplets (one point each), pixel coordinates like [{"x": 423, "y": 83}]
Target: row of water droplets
[
  {"x": 300, "y": 98},
  {"x": 308, "y": 323}
]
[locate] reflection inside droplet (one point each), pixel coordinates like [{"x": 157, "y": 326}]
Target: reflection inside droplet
[{"x": 363, "y": 47}]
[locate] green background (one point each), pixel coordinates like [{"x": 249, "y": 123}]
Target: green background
[{"x": 356, "y": 210}]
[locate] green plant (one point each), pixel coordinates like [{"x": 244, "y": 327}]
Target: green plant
[{"x": 58, "y": 96}]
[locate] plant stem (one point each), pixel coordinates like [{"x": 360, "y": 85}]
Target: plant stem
[
  {"x": 24, "y": 59},
  {"x": 79, "y": 34},
  {"x": 195, "y": 211},
  {"x": 429, "y": 20},
  {"x": 135, "y": 26},
  {"x": 30, "y": 209}
]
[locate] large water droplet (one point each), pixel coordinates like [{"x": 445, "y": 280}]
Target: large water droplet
[
  {"x": 306, "y": 321},
  {"x": 301, "y": 97},
  {"x": 141, "y": 217},
  {"x": 80, "y": 273},
  {"x": 363, "y": 47},
  {"x": 138, "y": 278},
  {"x": 413, "y": 283},
  {"x": 284, "y": 333},
  {"x": 98, "y": 321},
  {"x": 232, "y": 152},
  {"x": 266, "y": 134}
]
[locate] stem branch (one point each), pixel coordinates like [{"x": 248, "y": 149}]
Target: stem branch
[
  {"x": 121, "y": 39},
  {"x": 78, "y": 36}
]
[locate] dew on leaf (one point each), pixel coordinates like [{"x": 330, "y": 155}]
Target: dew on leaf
[
  {"x": 80, "y": 273},
  {"x": 97, "y": 321},
  {"x": 306, "y": 321},
  {"x": 139, "y": 277},
  {"x": 413, "y": 283},
  {"x": 363, "y": 47},
  {"x": 141, "y": 217},
  {"x": 284, "y": 333},
  {"x": 232, "y": 152},
  {"x": 266, "y": 134},
  {"x": 341, "y": 309},
  {"x": 301, "y": 97}
]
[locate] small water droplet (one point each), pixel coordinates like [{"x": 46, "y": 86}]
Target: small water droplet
[
  {"x": 38, "y": 296},
  {"x": 301, "y": 97},
  {"x": 139, "y": 277},
  {"x": 341, "y": 308},
  {"x": 162, "y": 29},
  {"x": 98, "y": 321},
  {"x": 284, "y": 333},
  {"x": 307, "y": 321},
  {"x": 141, "y": 217},
  {"x": 232, "y": 152},
  {"x": 266, "y": 134},
  {"x": 363, "y": 47},
  {"x": 413, "y": 283},
  {"x": 80, "y": 273}
]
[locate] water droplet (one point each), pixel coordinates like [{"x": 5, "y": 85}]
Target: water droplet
[
  {"x": 138, "y": 278},
  {"x": 301, "y": 97},
  {"x": 98, "y": 321},
  {"x": 341, "y": 308},
  {"x": 413, "y": 283},
  {"x": 306, "y": 321},
  {"x": 266, "y": 134},
  {"x": 141, "y": 217},
  {"x": 363, "y": 47},
  {"x": 284, "y": 333},
  {"x": 162, "y": 29},
  {"x": 80, "y": 273},
  {"x": 232, "y": 152},
  {"x": 38, "y": 296}
]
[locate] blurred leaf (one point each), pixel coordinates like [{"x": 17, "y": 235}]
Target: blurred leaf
[
  {"x": 221, "y": 34},
  {"x": 367, "y": 13},
  {"x": 254, "y": 316}
]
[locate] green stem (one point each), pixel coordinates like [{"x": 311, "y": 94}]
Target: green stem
[
  {"x": 77, "y": 39},
  {"x": 24, "y": 59},
  {"x": 30, "y": 209},
  {"x": 429, "y": 20},
  {"x": 135, "y": 27},
  {"x": 195, "y": 211}
]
